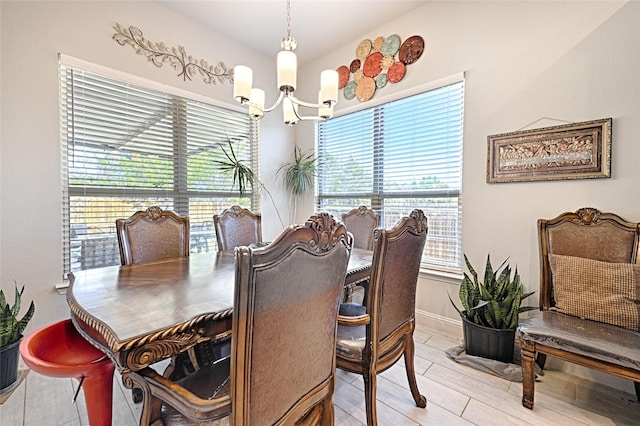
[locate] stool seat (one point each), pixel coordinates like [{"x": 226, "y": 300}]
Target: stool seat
[{"x": 58, "y": 350}]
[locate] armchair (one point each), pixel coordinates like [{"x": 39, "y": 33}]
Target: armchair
[
  {"x": 282, "y": 365},
  {"x": 373, "y": 337}
]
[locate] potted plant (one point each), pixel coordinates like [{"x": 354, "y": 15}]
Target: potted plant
[
  {"x": 298, "y": 175},
  {"x": 491, "y": 310},
  {"x": 11, "y": 329},
  {"x": 243, "y": 175}
]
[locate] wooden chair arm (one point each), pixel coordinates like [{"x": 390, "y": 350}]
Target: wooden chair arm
[{"x": 353, "y": 321}]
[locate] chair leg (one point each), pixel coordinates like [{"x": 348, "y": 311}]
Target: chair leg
[
  {"x": 151, "y": 406},
  {"x": 98, "y": 395},
  {"x": 328, "y": 414},
  {"x": 370, "y": 384},
  {"x": 528, "y": 372},
  {"x": 540, "y": 360},
  {"x": 409, "y": 351}
]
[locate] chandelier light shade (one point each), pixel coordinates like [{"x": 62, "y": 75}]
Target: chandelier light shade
[{"x": 287, "y": 70}]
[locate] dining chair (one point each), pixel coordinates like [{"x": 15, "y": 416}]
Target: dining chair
[
  {"x": 152, "y": 234},
  {"x": 372, "y": 337},
  {"x": 156, "y": 234},
  {"x": 282, "y": 364},
  {"x": 361, "y": 222},
  {"x": 237, "y": 226}
]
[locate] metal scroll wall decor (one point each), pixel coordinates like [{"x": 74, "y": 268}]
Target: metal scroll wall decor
[
  {"x": 377, "y": 63},
  {"x": 158, "y": 53}
]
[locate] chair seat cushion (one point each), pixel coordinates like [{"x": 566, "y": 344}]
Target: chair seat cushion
[
  {"x": 351, "y": 339},
  {"x": 598, "y": 340}
]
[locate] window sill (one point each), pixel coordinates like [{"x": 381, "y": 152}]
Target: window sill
[
  {"x": 443, "y": 276},
  {"x": 62, "y": 287}
]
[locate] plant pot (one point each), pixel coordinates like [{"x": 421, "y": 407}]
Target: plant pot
[
  {"x": 9, "y": 357},
  {"x": 488, "y": 342}
]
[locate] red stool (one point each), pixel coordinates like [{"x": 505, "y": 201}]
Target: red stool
[{"x": 58, "y": 350}]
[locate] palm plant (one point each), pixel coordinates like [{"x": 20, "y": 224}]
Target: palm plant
[
  {"x": 496, "y": 302},
  {"x": 11, "y": 328},
  {"x": 243, "y": 176},
  {"x": 299, "y": 175}
]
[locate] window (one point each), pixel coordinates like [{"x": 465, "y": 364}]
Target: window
[
  {"x": 396, "y": 157},
  {"x": 126, "y": 147}
]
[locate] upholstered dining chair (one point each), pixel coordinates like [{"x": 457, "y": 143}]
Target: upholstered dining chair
[
  {"x": 155, "y": 234},
  {"x": 373, "y": 337},
  {"x": 152, "y": 234},
  {"x": 237, "y": 226},
  {"x": 282, "y": 365},
  {"x": 360, "y": 222}
]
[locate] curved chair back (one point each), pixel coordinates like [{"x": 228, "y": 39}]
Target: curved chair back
[
  {"x": 153, "y": 234},
  {"x": 237, "y": 226},
  {"x": 396, "y": 263},
  {"x": 285, "y": 313},
  {"x": 284, "y": 323},
  {"x": 361, "y": 222},
  {"x": 587, "y": 233},
  {"x": 373, "y": 337}
]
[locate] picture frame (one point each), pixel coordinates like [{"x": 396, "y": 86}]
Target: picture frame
[{"x": 571, "y": 151}]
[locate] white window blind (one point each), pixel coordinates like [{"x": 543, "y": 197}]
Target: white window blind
[
  {"x": 126, "y": 147},
  {"x": 396, "y": 157}
]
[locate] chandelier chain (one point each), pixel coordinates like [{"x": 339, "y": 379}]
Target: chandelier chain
[{"x": 289, "y": 18}]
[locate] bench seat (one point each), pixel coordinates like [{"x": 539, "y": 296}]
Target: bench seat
[
  {"x": 588, "y": 269},
  {"x": 593, "y": 339}
]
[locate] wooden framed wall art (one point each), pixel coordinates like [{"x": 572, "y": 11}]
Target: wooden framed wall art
[{"x": 571, "y": 151}]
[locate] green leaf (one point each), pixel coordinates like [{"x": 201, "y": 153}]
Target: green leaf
[
  {"x": 11, "y": 328},
  {"x": 495, "y": 302},
  {"x": 300, "y": 173},
  {"x": 242, "y": 174}
]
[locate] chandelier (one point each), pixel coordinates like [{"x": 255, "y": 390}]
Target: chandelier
[{"x": 287, "y": 67}]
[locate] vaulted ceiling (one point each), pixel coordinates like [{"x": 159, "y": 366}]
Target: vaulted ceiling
[{"x": 320, "y": 26}]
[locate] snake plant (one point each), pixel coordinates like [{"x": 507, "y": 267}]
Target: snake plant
[
  {"x": 11, "y": 327},
  {"x": 496, "y": 302}
]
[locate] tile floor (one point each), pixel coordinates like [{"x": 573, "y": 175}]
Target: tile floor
[{"x": 457, "y": 395}]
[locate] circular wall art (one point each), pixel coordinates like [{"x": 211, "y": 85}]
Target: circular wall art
[{"x": 378, "y": 63}]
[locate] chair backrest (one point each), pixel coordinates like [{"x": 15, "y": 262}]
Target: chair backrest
[
  {"x": 397, "y": 254},
  {"x": 284, "y": 322},
  {"x": 237, "y": 226},
  {"x": 587, "y": 233},
  {"x": 153, "y": 234},
  {"x": 361, "y": 222}
]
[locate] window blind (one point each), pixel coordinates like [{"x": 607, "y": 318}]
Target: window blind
[
  {"x": 396, "y": 157},
  {"x": 126, "y": 147}
]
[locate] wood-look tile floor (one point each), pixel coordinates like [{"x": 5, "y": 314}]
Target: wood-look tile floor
[{"x": 456, "y": 394}]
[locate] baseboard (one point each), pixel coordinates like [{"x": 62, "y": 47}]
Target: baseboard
[{"x": 446, "y": 325}]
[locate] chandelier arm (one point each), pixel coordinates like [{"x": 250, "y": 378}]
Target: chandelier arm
[
  {"x": 311, "y": 118},
  {"x": 278, "y": 102},
  {"x": 307, "y": 104}
]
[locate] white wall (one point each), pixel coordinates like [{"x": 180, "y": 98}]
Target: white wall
[
  {"x": 569, "y": 61},
  {"x": 32, "y": 35}
]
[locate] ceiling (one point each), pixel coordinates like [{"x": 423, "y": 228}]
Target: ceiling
[{"x": 320, "y": 26}]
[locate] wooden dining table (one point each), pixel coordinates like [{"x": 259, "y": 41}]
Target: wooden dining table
[{"x": 144, "y": 313}]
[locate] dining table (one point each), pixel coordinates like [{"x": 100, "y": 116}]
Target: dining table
[{"x": 144, "y": 313}]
